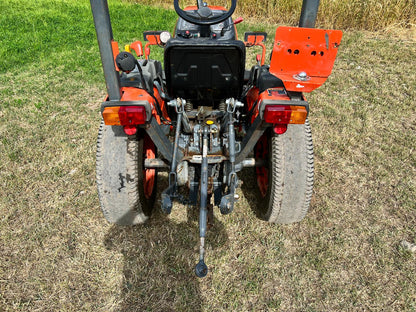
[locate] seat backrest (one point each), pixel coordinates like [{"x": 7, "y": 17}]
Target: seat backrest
[{"x": 204, "y": 70}]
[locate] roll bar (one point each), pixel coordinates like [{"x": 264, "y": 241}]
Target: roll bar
[
  {"x": 309, "y": 13},
  {"x": 104, "y": 32}
]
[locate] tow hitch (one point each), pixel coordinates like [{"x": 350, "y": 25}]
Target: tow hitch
[{"x": 203, "y": 116}]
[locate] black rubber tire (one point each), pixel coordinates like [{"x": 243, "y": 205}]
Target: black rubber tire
[
  {"x": 290, "y": 170},
  {"x": 120, "y": 178}
]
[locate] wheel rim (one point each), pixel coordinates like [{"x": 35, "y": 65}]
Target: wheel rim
[
  {"x": 262, "y": 173},
  {"x": 149, "y": 152}
]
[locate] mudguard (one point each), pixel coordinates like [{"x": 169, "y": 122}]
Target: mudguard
[{"x": 303, "y": 57}]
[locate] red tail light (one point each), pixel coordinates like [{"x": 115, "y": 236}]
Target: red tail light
[
  {"x": 285, "y": 114},
  {"x": 124, "y": 115}
]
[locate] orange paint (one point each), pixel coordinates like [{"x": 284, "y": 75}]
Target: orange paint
[
  {"x": 137, "y": 47},
  {"x": 136, "y": 94},
  {"x": 116, "y": 51},
  {"x": 308, "y": 50},
  {"x": 252, "y": 41}
]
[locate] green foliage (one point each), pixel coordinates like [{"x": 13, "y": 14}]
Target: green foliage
[{"x": 61, "y": 33}]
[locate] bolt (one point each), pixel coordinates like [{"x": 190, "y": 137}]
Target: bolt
[{"x": 302, "y": 75}]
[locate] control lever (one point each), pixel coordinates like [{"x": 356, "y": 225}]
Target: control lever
[{"x": 171, "y": 191}]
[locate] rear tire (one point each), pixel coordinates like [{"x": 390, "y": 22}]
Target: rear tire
[
  {"x": 285, "y": 183},
  {"x": 126, "y": 191}
]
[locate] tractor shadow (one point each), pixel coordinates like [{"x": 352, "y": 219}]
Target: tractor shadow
[{"x": 159, "y": 260}]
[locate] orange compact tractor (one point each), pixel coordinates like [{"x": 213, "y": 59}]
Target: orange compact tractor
[{"x": 203, "y": 117}]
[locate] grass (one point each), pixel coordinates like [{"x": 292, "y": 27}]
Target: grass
[{"x": 57, "y": 253}]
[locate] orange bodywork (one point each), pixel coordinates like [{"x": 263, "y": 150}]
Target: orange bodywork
[
  {"x": 257, "y": 40},
  {"x": 306, "y": 51},
  {"x": 253, "y": 98},
  {"x": 116, "y": 51},
  {"x": 153, "y": 39},
  {"x": 136, "y": 94},
  {"x": 137, "y": 47}
]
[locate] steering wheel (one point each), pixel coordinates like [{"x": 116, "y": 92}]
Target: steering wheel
[{"x": 204, "y": 15}]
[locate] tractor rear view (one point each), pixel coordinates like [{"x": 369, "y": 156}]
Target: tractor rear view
[{"x": 202, "y": 116}]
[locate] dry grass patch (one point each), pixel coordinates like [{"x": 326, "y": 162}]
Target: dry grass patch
[{"x": 338, "y": 14}]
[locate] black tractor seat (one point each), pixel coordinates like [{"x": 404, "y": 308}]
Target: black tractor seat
[{"x": 204, "y": 70}]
